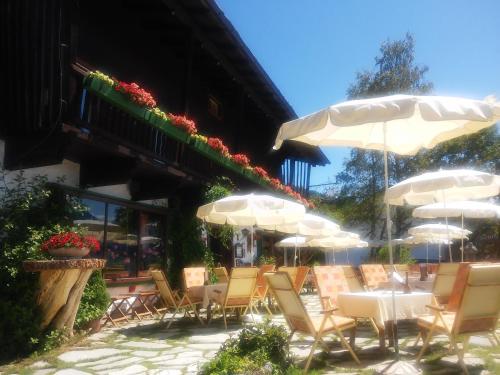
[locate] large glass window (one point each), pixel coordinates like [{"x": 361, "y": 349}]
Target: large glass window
[{"x": 132, "y": 241}]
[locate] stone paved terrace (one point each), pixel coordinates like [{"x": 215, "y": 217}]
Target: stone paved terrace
[{"x": 148, "y": 347}]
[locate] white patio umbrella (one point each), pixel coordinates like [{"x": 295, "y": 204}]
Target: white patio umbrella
[
  {"x": 309, "y": 225},
  {"x": 444, "y": 186},
  {"x": 291, "y": 242},
  {"x": 439, "y": 232},
  {"x": 340, "y": 241},
  {"x": 251, "y": 210},
  {"x": 468, "y": 209},
  {"x": 399, "y": 123},
  {"x": 414, "y": 240}
]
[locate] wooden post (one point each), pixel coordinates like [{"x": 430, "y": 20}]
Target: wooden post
[{"x": 61, "y": 286}]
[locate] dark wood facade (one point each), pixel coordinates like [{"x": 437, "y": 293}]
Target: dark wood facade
[{"x": 185, "y": 52}]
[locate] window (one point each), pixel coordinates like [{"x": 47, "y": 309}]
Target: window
[
  {"x": 132, "y": 240},
  {"x": 214, "y": 107}
]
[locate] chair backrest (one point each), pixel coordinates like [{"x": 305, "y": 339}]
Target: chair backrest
[
  {"x": 444, "y": 281},
  {"x": 164, "y": 287},
  {"x": 458, "y": 286},
  {"x": 221, "y": 273},
  {"x": 373, "y": 275},
  {"x": 330, "y": 281},
  {"x": 261, "y": 284},
  {"x": 241, "y": 286},
  {"x": 300, "y": 278},
  {"x": 193, "y": 276},
  {"x": 353, "y": 282},
  {"x": 480, "y": 303},
  {"x": 400, "y": 268},
  {"x": 289, "y": 302},
  {"x": 291, "y": 271}
]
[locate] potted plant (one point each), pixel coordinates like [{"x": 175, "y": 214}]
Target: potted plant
[
  {"x": 70, "y": 244},
  {"x": 93, "y": 305}
]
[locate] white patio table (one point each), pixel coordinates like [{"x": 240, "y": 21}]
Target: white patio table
[
  {"x": 378, "y": 306},
  {"x": 209, "y": 293}
]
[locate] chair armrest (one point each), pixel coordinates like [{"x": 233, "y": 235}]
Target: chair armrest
[
  {"x": 435, "y": 308},
  {"x": 329, "y": 311}
]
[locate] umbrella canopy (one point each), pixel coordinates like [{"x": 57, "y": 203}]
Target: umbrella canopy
[
  {"x": 250, "y": 210},
  {"x": 468, "y": 209},
  {"x": 444, "y": 185},
  {"x": 439, "y": 231},
  {"x": 340, "y": 240},
  {"x": 309, "y": 225},
  {"x": 411, "y": 122},
  {"x": 295, "y": 241},
  {"x": 419, "y": 240}
]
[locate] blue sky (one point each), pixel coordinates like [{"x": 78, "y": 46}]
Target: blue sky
[{"x": 313, "y": 49}]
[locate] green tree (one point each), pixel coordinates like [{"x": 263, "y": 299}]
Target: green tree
[{"x": 360, "y": 185}]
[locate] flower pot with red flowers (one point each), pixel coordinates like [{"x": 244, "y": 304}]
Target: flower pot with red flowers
[{"x": 70, "y": 245}]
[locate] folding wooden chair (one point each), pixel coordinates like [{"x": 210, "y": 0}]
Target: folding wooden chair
[
  {"x": 298, "y": 319},
  {"x": 261, "y": 287},
  {"x": 477, "y": 313},
  {"x": 444, "y": 281},
  {"x": 373, "y": 275},
  {"x": 172, "y": 300},
  {"x": 300, "y": 278},
  {"x": 193, "y": 276},
  {"x": 330, "y": 281},
  {"x": 221, "y": 274},
  {"x": 240, "y": 291},
  {"x": 352, "y": 279}
]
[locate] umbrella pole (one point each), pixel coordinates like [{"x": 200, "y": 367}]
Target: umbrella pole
[
  {"x": 251, "y": 247},
  {"x": 427, "y": 256},
  {"x": 389, "y": 243},
  {"x": 447, "y": 229},
  {"x": 462, "y": 236},
  {"x": 347, "y": 256},
  {"x": 333, "y": 256}
]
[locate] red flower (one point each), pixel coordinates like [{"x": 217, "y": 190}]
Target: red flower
[
  {"x": 184, "y": 123},
  {"x": 136, "y": 94},
  {"x": 276, "y": 183},
  {"x": 241, "y": 159},
  {"x": 70, "y": 239},
  {"x": 218, "y": 145},
  {"x": 261, "y": 172}
]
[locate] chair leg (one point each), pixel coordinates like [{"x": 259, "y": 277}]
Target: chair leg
[
  {"x": 268, "y": 310},
  {"x": 460, "y": 355},
  {"x": 495, "y": 337},
  {"x": 309, "y": 359},
  {"x": 347, "y": 346},
  {"x": 224, "y": 316},
  {"x": 193, "y": 307},
  {"x": 173, "y": 316},
  {"x": 425, "y": 345},
  {"x": 290, "y": 337},
  {"x": 419, "y": 336},
  {"x": 374, "y": 326}
]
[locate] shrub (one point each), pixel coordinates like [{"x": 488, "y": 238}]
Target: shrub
[
  {"x": 95, "y": 300},
  {"x": 259, "y": 349}
]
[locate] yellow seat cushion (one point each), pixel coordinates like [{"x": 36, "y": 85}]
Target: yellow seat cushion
[{"x": 342, "y": 322}]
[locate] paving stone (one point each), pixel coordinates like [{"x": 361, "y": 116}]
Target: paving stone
[
  {"x": 101, "y": 361},
  {"x": 87, "y": 355},
  {"x": 176, "y": 350},
  {"x": 207, "y": 346},
  {"x": 162, "y": 358},
  {"x": 181, "y": 361},
  {"x": 190, "y": 354},
  {"x": 44, "y": 371},
  {"x": 165, "y": 372},
  {"x": 202, "y": 339},
  {"x": 99, "y": 336},
  {"x": 145, "y": 353},
  {"x": 69, "y": 371},
  {"x": 40, "y": 364},
  {"x": 131, "y": 370},
  {"x": 480, "y": 341},
  {"x": 114, "y": 365},
  {"x": 145, "y": 345}
]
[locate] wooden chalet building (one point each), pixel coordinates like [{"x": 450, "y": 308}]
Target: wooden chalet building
[{"x": 132, "y": 175}]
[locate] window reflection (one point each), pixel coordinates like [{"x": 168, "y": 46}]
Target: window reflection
[
  {"x": 93, "y": 220},
  {"x": 121, "y": 239}
]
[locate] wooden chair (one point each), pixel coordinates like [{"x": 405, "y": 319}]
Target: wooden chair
[
  {"x": 261, "y": 287},
  {"x": 221, "y": 273},
  {"x": 373, "y": 275},
  {"x": 298, "y": 319},
  {"x": 330, "y": 281},
  {"x": 300, "y": 278},
  {"x": 477, "y": 313},
  {"x": 352, "y": 279},
  {"x": 444, "y": 281},
  {"x": 172, "y": 300},
  {"x": 193, "y": 276},
  {"x": 240, "y": 291},
  {"x": 291, "y": 271}
]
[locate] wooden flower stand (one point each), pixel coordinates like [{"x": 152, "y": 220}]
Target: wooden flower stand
[{"x": 61, "y": 287}]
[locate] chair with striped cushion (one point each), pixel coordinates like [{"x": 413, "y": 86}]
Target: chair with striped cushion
[
  {"x": 352, "y": 279},
  {"x": 373, "y": 275},
  {"x": 330, "y": 281},
  {"x": 299, "y": 320},
  {"x": 477, "y": 312}
]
